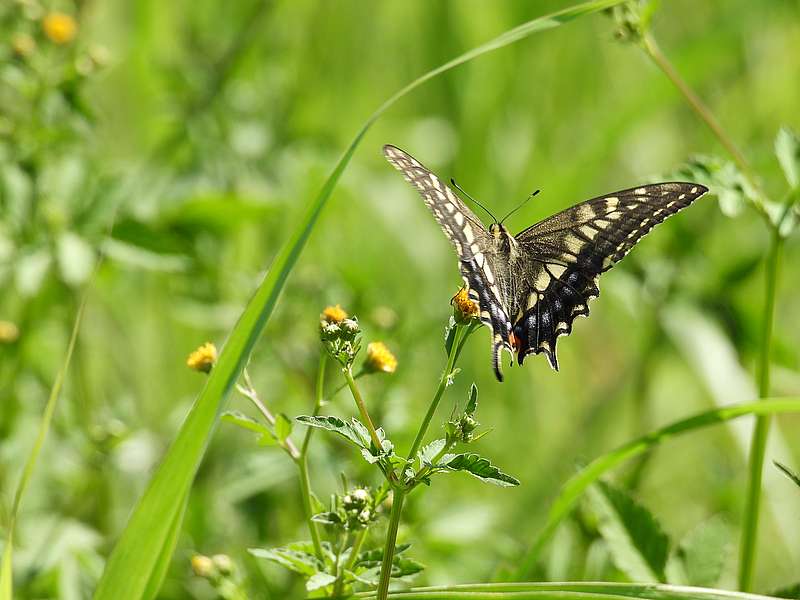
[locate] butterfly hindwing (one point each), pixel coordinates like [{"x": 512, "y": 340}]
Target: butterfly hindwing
[
  {"x": 565, "y": 254},
  {"x": 479, "y": 264}
]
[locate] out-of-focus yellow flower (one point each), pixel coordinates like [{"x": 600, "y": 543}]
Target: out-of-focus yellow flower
[
  {"x": 9, "y": 332},
  {"x": 380, "y": 358},
  {"x": 203, "y": 358},
  {"x": 333, "y": 314},
  {"x": 464, "y": 308},
  {"x": 59, "y": 27},
  {"x": 23, "y": 44},
  {"x": 203, "y": 566}
]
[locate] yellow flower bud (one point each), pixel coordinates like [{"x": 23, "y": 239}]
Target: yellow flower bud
[
  {"x": 380, "y": 358},
  {"x": 333, "y": 314},
  {"x": 23, "y": 44},
  {"x": 59, "y": 27},
  {"x": 203, "y": 566},
  {"x": 464, "y": 309},
  {"x": 203, "y": 358},
  {"x": 9, "y": 332}
]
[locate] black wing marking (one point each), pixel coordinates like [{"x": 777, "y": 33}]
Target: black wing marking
[
  {"x": 471, "y": 241},
  {"x": 566, "y": 254}
]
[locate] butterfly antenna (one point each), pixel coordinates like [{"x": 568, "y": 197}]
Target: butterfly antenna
[
  {"x": 520, "y": 206},
  {"x": 460, "y": 189}
]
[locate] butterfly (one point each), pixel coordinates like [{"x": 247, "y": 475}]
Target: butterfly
[{"x": 530, "y": 287}]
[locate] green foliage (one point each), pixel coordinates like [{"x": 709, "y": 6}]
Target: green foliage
[{"x": 637, "y": 543}]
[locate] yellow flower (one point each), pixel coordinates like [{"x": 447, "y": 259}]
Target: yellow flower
[
  {"x": 23, "y": 44},
  {"x": 333, "y": 314},
  {"x": 203, "y": 358},
  {"x": 59, "y": 27},
  {"x": 203, "y": 566},
  {"x": 464, "y": 308},
  {"x": 9, "y": 332},
  {"x": 380, "y": 358}
]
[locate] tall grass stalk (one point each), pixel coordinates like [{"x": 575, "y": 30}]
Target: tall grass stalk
[
  {"x": 758, "y": 444},
  {"x": 135, "y": 556},
  {"x": 6, "y": 571}
]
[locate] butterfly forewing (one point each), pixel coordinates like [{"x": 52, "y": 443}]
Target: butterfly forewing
[
  {"x": 565, "y": 254},
  {"x": 479, "y": 263}
]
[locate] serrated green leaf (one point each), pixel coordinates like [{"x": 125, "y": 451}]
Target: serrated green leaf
[
  {"x": 638, "y": 545},
  {"x": 787, "y": 149},
  {"x": 403, "y": 567},
  {"x": 703, "y": 552},
  {"x": 479, "y": 467},
  {"x": 472, "y": 403},
  {"x": 283, "y": 427},
  {"x": 337, "y": 425},
  {"x": 788, "y": 472},
  {"x": 373, "y": 557},
  {"x": 265, "y": 438},
  {"x": 319, "y": 580},
  {"x": 429, "y": 452},
  {"x": 294, "y": 560}
]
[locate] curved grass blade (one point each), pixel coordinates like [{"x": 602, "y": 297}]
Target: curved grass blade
[
  {"x": 577, "y": 484},
  {"x": 135, "y": 558},
  {"x": 6, "y": 571},
  {"x": 567, "y": 591}
]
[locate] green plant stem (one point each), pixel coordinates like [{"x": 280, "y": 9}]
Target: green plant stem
[
  {"x": 391, "y": 540},
  {"x": 249, "y": 392},
  {"x": 443, "y": 382},
  {"x": 758, "y": 443},
  {"x": 654, "y": 52},
  {"x": 302, "y": 462},
  {"x": 362, "y": 408}
]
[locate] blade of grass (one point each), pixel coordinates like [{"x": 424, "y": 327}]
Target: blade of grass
[
  {"x": 6, "y": 572},
  {"x": 562, "y": 590},
  {"x": 577, "y": 484},
  {"x": 136, "y": 554}
]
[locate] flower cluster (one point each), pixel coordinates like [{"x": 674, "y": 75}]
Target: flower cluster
[
  {"x": 352, "y": 511},
  {"x": 341, "y": 339},
  {"x": 462, "y": 428}
]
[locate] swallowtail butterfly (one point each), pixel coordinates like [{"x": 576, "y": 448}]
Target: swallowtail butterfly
[{"x": 530, "y": 287}]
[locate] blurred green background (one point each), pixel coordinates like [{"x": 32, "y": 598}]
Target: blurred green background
[{"x": 201, "y": 129}]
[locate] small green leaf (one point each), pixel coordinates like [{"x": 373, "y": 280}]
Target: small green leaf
[
  {"x": 703, "y": 552},
  {"x": 353, "y": 431},
  {"x": 479, "y": 467},
  {"x": 294, "y": 560},
  {"x": 429, "y": 452},
  {"x": 449, "y": 335},
  {"x": 319, "y": 580},
  {"x": 637, "y": 543},
  {"x": 283, "y": 427},
  {"x": 371, "y": 558},
  {"x": 788, "y": 472},
  {"x": 472, "y": 403},
  {"x": 327, "y": 518},
  {"x": 787, "y": 149},
  {"x": 403, "y": 567},
  {"x": 265, "y": 438}
]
